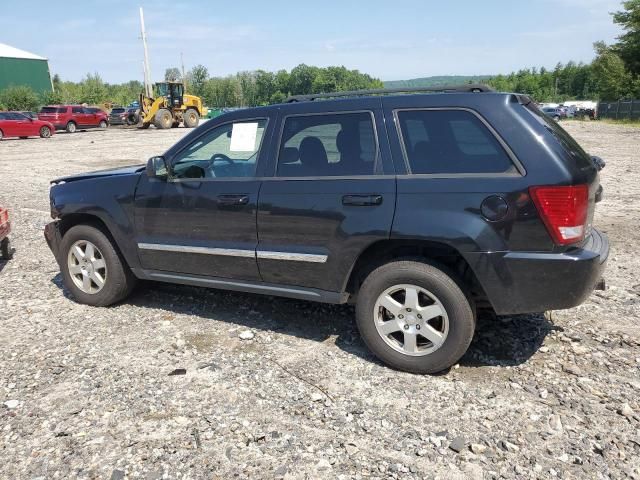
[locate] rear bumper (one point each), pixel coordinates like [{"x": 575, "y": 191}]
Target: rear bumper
[
  {"x": 53, "y": 237},
  {"x": 527, "y": 282}
]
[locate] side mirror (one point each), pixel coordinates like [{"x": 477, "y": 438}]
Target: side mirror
[{"x": 157, "y": 168}]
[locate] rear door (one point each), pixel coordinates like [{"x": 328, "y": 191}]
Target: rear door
[
  {"x": 23, "y": 125},
  {"x": 331, "y": 193},
  {"x": 78, "y": 115}
]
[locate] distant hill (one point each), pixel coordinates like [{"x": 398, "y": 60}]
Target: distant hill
[{"x": 437, "y": 81}]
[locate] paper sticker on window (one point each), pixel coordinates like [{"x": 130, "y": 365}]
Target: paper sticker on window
[{"x": 243, "y": 137}]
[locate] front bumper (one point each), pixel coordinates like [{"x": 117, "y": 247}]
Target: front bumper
[
  {"x": 527, "y": 282},
  {"x": 53, "y": 236}
]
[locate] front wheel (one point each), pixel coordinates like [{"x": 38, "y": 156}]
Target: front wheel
[
  {"x": 103, "y": 124},
  {"x": 45, "y": 132},
  {"x": 415, "y": 317},
  {"x": 163, "y": 119},
  {"x": 92, "y": 269}
]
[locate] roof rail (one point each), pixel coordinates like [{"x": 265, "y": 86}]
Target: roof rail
[{"x": 473, "y": 88}]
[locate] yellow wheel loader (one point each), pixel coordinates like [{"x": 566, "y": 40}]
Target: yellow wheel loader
[{"x": 171, "y": 107}]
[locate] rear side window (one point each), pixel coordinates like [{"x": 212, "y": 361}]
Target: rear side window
[
  {"x": 77, "y": 110},
  {"x": 328, "y": 145},
  {"x": 53, "y": 110},
  {"x": 451, "y": 142}
]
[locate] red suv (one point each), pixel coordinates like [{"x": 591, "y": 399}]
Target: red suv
[{"x": 74, "y": 117}]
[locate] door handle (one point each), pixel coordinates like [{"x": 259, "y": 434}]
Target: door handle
[
  {"x": 227, "y": 200},
  {"x": 362, "y": 200}
]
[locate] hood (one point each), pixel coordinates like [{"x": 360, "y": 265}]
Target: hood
[{"x": 99, "y": 174}]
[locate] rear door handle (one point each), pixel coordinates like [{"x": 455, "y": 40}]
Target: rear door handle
[
  {"x": 240, "y": 199},
  {"x": 362, "y": 200}
]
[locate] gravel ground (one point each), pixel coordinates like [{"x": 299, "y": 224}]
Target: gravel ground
[{"x": 278, "y": 388}]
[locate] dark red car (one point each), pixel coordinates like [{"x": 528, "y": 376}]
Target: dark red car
[
  {"x": 5, "y": 228},
  {"x": 16, "y": 124},
  {"x": 74, "y": 117}
]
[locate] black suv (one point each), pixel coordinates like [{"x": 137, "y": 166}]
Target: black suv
[{"x": 418, "y": 208}]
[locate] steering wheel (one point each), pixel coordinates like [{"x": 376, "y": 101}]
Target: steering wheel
[{"x": 220, "y": 157}]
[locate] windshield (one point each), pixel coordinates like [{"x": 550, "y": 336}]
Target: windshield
[
  {"x": 53, "y": 110},
  {"x": 117, "y": 110}
]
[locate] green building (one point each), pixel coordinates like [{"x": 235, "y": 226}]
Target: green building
[{"x": 18, "y": 67}]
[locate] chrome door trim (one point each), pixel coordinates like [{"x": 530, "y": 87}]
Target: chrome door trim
[
  {"x": 293, "y": 257},
  {"x": 228, "y": 252},
  {"x": 236, "y": 252}
]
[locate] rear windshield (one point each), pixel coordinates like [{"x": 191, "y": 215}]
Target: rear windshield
[
  {"x": 117, "y": 110},
  {"x": 582, "y": 159},
  {"x": 53, "y": 110}
]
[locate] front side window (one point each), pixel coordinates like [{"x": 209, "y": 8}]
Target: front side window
[
  {"x": 451, "y": 142},
  {"x": 328, "y": 145},
  {"x": 230, "y": 150}
]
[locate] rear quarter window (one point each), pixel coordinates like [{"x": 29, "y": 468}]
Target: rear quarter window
[
  {"x": 451, "y": 142},
  {"x": 575, "y": 151}
]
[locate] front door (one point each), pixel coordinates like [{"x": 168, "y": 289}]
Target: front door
[
  {"x": 332, "y": 196},
  {"x": 202, "y": 219}
]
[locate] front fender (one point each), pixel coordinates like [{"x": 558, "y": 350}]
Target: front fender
[{"x": 108, "y": 199}]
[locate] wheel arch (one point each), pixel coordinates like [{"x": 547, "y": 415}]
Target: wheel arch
[
  {"x": 385, "y": 251},
  {"x": 71, "y": 220}
]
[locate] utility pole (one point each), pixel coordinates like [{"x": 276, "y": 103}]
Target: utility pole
[
  {"x": 184, "y": 78},
  {"x": 147, "y": 71}
]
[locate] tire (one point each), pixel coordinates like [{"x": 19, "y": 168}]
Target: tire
[
  {"x": 6, "y": 252},
  {"x": 71, "y": 127},
  {"x": 132, "y": 119},
  {"x": 163, "y": 119},
  {"x": 436, "y": 291},
  {"x": 191, "y": 118},
  {"x": 1, "y": 135},
  {"x": 45, "y": 132},
  {"x": 118, "y": 281},
  {"x": 103, "y": 124}
]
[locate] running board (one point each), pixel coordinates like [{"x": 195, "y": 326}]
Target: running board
[{"x": 301, "y": 293}]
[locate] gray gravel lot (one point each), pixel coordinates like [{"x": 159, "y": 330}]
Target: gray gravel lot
[{"x": 87, "y": 392}]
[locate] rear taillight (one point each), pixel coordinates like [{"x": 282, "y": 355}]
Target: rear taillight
[
  {"x": 4, "y": 216},
  {"x": 563, "y": 210}
]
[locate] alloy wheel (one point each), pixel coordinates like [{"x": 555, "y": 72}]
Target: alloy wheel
[
  {"x": 87, "y": 267},
  {"x": 411, "y": 320}
]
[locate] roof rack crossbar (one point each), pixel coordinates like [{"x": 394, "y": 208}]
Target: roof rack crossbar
[{"x": 473, "y": 88}]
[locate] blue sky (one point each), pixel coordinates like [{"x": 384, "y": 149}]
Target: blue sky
[{"x": 389, "y": 39}]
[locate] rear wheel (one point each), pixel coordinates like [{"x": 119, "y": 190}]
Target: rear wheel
[
  {"x": 6, "y": 251},
  {"x": 103, "y": 124},
  {"x": 92, "y": 269},
  {"x": 163, "y": 119},
  {"x": 191, "y": 118},
  {"x": 45, "y": 132},
  {"x": 415, "y": 316},
  {"x": 71, "y": 127}
]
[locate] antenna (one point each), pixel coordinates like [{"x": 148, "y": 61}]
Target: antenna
[{"x": 147, "y": 71}]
